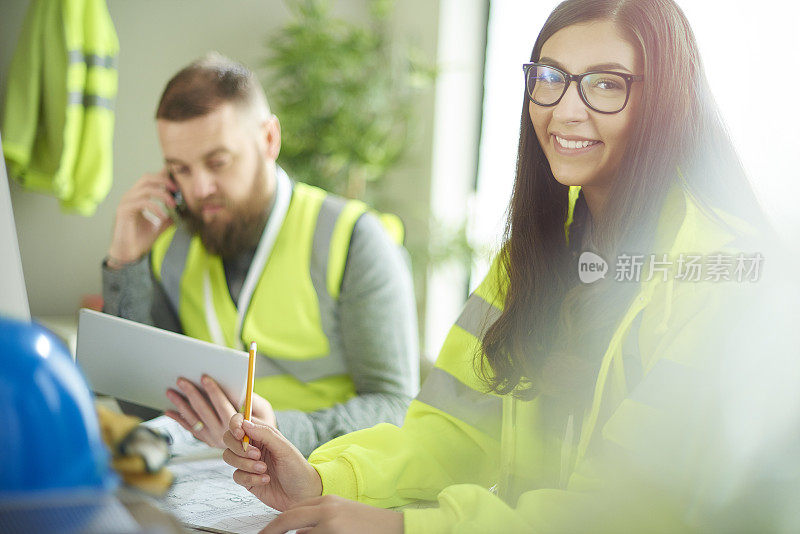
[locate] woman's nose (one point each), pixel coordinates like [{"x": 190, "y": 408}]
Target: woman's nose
[{"x": 571, "y": 107}]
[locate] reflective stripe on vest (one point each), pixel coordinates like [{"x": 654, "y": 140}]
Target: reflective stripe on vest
[
  {"x": 477, "y": 316},
  {"x": 445, "y": 392},
  {"x": 172, "y": 267},
  {"x": 303, "y": 370},
  {"x": 329, "y": 213}
]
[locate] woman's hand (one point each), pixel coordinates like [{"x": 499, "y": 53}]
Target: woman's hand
[
  {"x": 205, "y": 411},
  {"x": 332, "y": 514},
  {"x": 272, "y": 469}
]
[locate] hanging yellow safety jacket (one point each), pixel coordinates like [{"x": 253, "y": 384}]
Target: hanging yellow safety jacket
[
  {"x": 496, "y": 463},
  {"x": 58, "y": 125},
  {"x": 291, "y": 313}
]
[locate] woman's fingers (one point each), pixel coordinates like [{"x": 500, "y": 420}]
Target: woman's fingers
[
  {"x": 263, "y": 437},
  {"x": 235, "y": 426},
  {"x": 235, "y": 446},
  {"x": 249, "y": 465},
  {"x": 335, "y": 514},
  {"x": 250, "y": 480},
  {"x": 296, "y": 518}
]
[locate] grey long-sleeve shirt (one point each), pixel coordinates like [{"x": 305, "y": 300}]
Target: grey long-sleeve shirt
[{"x": 378, "y": 331}]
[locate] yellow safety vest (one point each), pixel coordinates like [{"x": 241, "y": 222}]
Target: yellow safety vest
[{"x": 291, "y": 313}]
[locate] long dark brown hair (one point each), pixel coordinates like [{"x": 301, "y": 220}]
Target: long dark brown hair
[{"x": 677, "y": 135}]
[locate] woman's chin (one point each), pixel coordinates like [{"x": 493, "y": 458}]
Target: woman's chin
[{"x": 571, "y": 179}]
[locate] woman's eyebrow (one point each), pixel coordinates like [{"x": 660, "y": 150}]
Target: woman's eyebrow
[
  {"x": 609, "y": 66},
  {"x": 599, "y": 66}
]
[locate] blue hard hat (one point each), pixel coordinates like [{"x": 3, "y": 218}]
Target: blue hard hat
[{"x": 49, "y": 433}]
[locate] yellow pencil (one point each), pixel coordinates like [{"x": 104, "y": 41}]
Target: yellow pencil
[{"x": 248, "y": 400}]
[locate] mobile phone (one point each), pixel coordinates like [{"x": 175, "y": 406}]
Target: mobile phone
[
  {"x": 180, "y": 203},
  {"x": 174, "y": 213}
]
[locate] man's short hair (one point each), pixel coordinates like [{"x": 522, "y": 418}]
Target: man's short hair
[{"x": 205, "y": 84}]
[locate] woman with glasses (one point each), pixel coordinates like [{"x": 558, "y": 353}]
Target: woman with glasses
[{"x": 568, "y": 395}]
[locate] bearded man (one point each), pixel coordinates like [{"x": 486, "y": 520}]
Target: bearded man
[{"x": 223, "y": 246}]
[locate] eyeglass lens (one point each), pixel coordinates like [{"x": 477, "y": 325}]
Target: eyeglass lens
[{"x": 602, "y": 91}]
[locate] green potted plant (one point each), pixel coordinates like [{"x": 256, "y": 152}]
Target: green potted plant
[{"x": 343, "y": 96}]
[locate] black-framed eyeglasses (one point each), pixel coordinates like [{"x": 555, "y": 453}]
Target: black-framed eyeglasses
[{"x": 602, "y": 91}]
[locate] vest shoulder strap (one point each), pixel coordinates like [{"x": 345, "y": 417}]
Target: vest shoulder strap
[
  {"x": 334, "y": 229},
  {"x": 335, "y": 222},
  {"x": 168, "y": 260}
]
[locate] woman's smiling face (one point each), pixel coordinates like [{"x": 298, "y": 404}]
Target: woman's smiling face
[{"x": 565, "y": 130}]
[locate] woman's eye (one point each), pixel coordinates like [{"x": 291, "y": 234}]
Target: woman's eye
[
  {"x": 180, "y": 171},
  {"x": 607, "y": 84},
  {"x": 551, "y": 78},
  {"x": 217, "y": 163}
]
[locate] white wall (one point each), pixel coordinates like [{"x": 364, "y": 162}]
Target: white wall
[{"x": 61, "y": 253}]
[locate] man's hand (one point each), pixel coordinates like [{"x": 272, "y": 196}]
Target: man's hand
[
  {"x": 272, "y": 469},
  {"x": 332, "y": 514},
  {"x": 141, "y": 217},
  {"x": 205, "y": 411}
]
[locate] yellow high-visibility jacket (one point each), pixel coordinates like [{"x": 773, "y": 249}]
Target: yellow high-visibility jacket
[
  {"x": 501, "y": 464},
  {"x": 58, "y": 125}
]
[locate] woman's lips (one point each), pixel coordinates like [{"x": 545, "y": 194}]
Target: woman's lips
[{"x": 574, "y": 147}]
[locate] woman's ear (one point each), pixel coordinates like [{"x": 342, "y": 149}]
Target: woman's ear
[{"x": 271, "y": 129}]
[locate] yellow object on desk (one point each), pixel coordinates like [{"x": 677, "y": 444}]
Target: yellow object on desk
[{"x": 138, "y": 453}]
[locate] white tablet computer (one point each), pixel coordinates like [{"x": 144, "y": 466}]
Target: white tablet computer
[{"x": 138, "y": 363}]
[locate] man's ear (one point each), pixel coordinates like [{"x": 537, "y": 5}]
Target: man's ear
[{"x": 272, "y": 137}]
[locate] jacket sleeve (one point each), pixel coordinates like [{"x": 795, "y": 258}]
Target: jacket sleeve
[
  {"x": 378, "y": 321},
  {"x": 450, "y": 434},
  {"x": 23, "y": 94},
  {"x": 93, "y": 169},
  {"x": 132, "y": 293},
  {"x": 656, "y": 459}
]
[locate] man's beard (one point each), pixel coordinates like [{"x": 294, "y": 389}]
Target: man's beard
[{"x": 243, "y": 231}]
